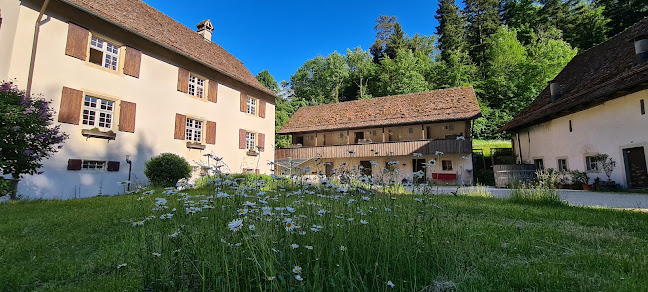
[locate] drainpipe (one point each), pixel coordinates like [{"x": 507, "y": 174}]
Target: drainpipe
[
  {"x": 519, "y": 146},
  {"x": 30, "y": 77}
]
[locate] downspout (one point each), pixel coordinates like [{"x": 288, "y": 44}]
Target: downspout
[
  {"x": 30, "y": 77},
  {"x": 519, "y": 146}
]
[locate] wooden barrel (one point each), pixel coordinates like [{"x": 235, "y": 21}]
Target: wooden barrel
[{"x": 506, "y": 174}]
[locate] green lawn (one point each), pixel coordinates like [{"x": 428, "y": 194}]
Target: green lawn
[
  {"x": 469, "y": 243},
  {"x": 485, "y": 145}
]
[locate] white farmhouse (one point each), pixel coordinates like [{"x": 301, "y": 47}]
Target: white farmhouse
[
  {"x": 127, "y": 80},
  {"x": 596, "y": 105}
]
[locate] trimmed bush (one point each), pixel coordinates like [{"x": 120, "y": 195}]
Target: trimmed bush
[{"x": 166, "y": 169}]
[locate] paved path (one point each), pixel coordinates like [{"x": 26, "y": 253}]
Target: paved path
[{"x": 577, "y": 198}]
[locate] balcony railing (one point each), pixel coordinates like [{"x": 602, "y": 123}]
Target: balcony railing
[{"x": 377, "y": 149}]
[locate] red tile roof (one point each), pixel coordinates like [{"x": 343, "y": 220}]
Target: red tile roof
[
  {"x": 598, "y": 74},
  {"x": 423, "y": 107},
  {"x": 144, "y": 20}
]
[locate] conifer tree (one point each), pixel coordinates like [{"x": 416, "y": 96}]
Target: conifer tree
[{"x": 450, "y": 30}]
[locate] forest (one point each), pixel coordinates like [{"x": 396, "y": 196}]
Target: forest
[{"x": 507, "y": 50}]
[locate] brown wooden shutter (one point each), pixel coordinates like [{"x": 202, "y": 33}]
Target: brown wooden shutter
[
  {"x": 183, "y": 80},
  {"x": 127, "y": 116},
  {"x": 180, "y": 126},
  {"x": 256, "y": 171},
  {"x": 70, "y": 110},
  {"x": 243, "y": 102},
  {"x": 241, "y": 139},
  {"x": 261, "y": 142},
  {"x": 262, "y": 108},
  {"x": 210, "y": 133},
  {"x": 212, "y": 91},
  {"x": 132, "y": 61},
  {"x": 113, "y": 166},
  {"x": 74, "y": 164},
  {"x": 77, "y": 41}
]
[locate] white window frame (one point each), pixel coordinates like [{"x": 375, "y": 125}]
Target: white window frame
[
  {"x": 250, "y": 141},
  {"x": 110, "y": 52},
  {"x": 589, "y": 162},
  {"x": 535, "y": 162},
  {"x": 251, "y": 105},
  {"x": 194, "y": 130},
  {"x": 98, "y": 112},
  {"x": 94, "y": 165},
  {"x": 196, "y": 86},
  {"x": 445, "y": 167},
  {"x": 564, "y": 167}
]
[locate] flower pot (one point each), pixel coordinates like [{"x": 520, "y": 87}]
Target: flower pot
[
  {"x": 193, "y": 145},
  {"x": 92, "y": 133},
  {"x": 252, "y": 153}
]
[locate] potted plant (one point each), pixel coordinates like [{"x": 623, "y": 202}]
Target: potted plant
[
  {"x": 608, "y": 165},
  {"x": 96, "y": 133},
  {"x": 580, "y": 180},
  {"x": 252, "y": 152},
  {"x": 195, "y": 145}
]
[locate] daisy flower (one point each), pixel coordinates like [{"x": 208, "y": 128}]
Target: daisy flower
[
  {"x": 390, "y": 284},
  {"x": 343, "y": 248},
  {"x": 252, "y": 228},
  {"x": 270, "y": 278},
  {"x": 364, "y": 222},
  {"x": 299, "y": 278},
  {"x": 155, "y": 254},
  {"x": 309, "y": 247},
  {"x": 235, "y": 225},
  {"x": 166, "y": 216},
  {"x": 297, "y": 270},
  {"x": 242, "y": 211},
  {"x": 294, "y": 246},
  {"x": 121, "y": 266}
]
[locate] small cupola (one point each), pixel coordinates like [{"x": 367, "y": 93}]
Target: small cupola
[
  {"x": 205, "y": 29},
  {"x": 641, "y": 49},
  {"x": 555, "y": 90}
]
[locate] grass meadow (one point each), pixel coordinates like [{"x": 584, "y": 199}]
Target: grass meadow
[
  {"x": 246, "y": 235},
  {"x": 486, "y": 145}
]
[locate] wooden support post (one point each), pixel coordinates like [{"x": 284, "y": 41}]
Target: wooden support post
[
  {"x": 422, "y": 132},
  {"x": 315, "y": 139},
  {"x": 348, "y": 139},
  {"x": 383, "y": 135}
]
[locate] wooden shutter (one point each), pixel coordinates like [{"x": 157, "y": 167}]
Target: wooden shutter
[
  {"x": 256, "y": 171},
  {"x": 70, "y": 110},
  {"x": 243, "y": 102},
  {"x": 113, "y": 166},
  {"x": 261, "y": 142},
  {"x": 74, "y": 164},
  {"x": 212, "y": 91},
  {"x": 127, "y": 116},
  {"x": 77, "y": 41},
  {"x": 241, "y": 139},
  {"x": 132, "y": 61},
  {"x": 180, "y": 126},
  {"x": 210, "y": 135},
  {"x": 183, "y": 80},
  {"x": 262, "y": 108}
]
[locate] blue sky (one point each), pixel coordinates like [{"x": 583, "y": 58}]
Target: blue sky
[{"x": 281, "y": 35}]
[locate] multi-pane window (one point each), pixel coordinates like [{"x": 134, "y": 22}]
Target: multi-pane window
[
  {"x": 93, "y": 165},
  {"x": 562, "y": 165},
  {"x": 104, "y": 53},
  {"x": 446, "y": 164},
  {"x": 196, "y": 86},
  {"x": 98, "y": 112},
  {"x": 250, "y": 140},
  {"x": 193, "y": 130},
  {"x": 251, "y": 106},
  {"x": 592, "y": 165},
  {"x": 539, "y": 163}
]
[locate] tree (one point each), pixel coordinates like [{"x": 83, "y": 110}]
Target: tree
[
  {"x": 384, "y": 29},
  {"x": 268, "y": 81},
  {"x": 27, "y": 135},
  {"x": 397, "y": 41},
  {"x": 450, "y": 30},
  {"x": 483, "y": 19},
  {"x": 361, "y": 70},
  {"x": 522, "y": 15},
  {"x": 622, "y": 13},
  {"x": 405, "y": 74}
]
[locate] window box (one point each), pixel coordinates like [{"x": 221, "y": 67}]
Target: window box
[
  {"x": 96, "y": 133},
  {"x": 252, "y": 153},
  {"x": 194, "y": 145}
]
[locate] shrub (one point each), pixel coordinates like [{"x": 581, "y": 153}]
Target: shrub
[
  {"x": 485, "y": 177},
  {"x": 579, "y": 178},
  {"x": 536, "y": 195},
  {"x": 166, "y": 169}
]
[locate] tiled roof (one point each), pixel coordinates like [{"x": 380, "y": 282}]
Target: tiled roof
[
  {"x": 423, "y": 107},
  {"x": 589, "y": 78},
  {"x": 144, "y": 20}
]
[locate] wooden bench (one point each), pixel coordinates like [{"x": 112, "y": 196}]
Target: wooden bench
[{"x": 444, "y": 176}]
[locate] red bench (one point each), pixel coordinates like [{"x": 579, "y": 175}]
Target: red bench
[{"x": 444, "y": 176}]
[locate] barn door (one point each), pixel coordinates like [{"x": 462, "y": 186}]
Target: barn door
[{"x": 636, "y": 172}]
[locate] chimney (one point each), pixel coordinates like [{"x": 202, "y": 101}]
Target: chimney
[
  {"x": 205, "y": 29},
  {"x": 641, "y": 49},
  {"x": 555, "y": 90}
]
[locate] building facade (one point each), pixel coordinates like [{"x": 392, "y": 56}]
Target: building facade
[
  {"x": 389, "y": 137},
  {"x": 596, "y": 105},
  {"x": 131, "y": 82}
]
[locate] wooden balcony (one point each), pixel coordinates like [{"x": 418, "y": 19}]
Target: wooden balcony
[{"x": 377, "y": 149}]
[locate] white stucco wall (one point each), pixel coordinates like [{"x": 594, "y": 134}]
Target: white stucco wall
[
  {"x": 607, "y": 128},
  {"x": 157, "y": 99}
]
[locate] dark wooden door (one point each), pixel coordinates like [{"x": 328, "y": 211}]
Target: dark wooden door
[
  {"x": 329, "y": 168},
  {"x": 418, "y": 165},
  {"x": 636, "y": 167},
  {"x": 366, "y": 167},
  {"x": 358, "y": 136}
]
